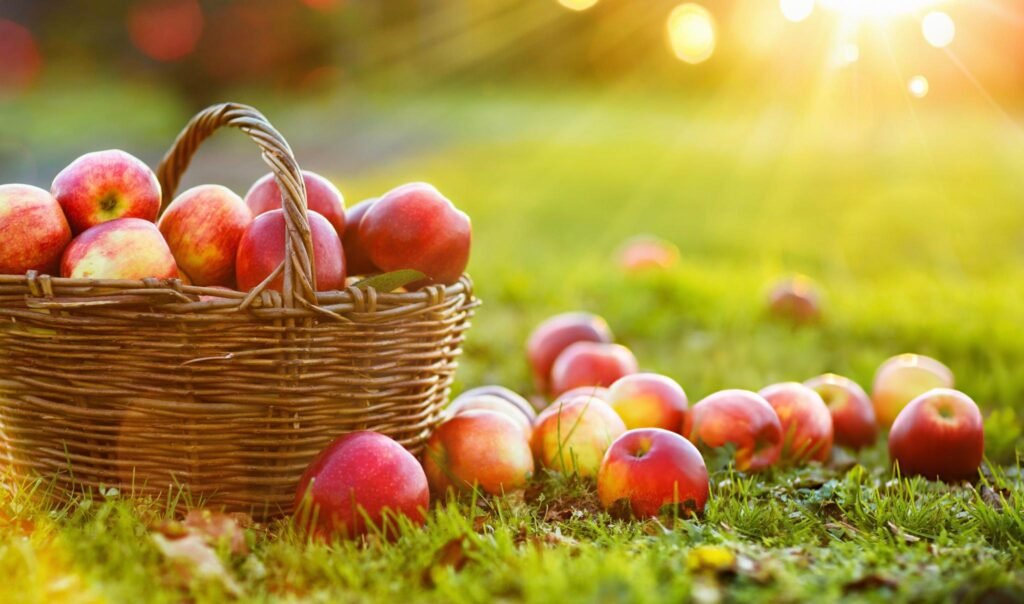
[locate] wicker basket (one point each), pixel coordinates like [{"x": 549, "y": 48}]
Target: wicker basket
[{"x": 143, "y": 386}]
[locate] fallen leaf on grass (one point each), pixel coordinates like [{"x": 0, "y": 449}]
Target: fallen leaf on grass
[
  {"x": 902, "y": 534},
  {"x": 869, "y": 582},
  {"x": 213, "y": 528},
  {"x": 994, "y": 498},
  {"x": 192, "y": 557},
  {"x": 454, "y": 555}
]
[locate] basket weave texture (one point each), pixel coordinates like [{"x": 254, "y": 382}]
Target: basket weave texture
[{"x": 147, "y": 387}]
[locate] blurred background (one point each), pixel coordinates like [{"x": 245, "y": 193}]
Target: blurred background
[{"x": 875, "y": 145}]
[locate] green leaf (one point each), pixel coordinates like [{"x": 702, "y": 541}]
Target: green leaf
[{"x": 389, "y": 282}]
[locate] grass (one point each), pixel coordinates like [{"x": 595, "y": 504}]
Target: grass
[{"x": 911, "y": 223}]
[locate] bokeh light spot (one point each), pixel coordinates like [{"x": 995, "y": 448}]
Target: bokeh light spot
[
  {"x": 20, "y": 61},
  {"x": 577, "y": 4},
  {"x": 796, "y": 10},
  {"x": 918, "y": 86},
  {"x": 938, "y": 29},
  {"x": 849, "y": 53},
  {"x": 166, "y": 30},
  {"x": 691, "y": 31}
]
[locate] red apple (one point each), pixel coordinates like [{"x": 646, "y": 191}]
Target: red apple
[
  {"x": 597, "y": 392},
  {"x": 490, "y": 402},
  {"x": 502, "y": 392},
  {"x": 203, "y": 226},
  {"x": 806, "y": 422},
  {"x": 853, "y": 417},
  {"x": 591, "y": 364},
  {"x": 901, "y": 379},
  {"x": 650, "y": 468},
  {"x": 645, "y": 253},
  {"x": 126, "y": 248},
  {"x": 415, "y": 227},
  {"x": 572, "y": 436},
  {"x": 478, "y": 447},
  {"x": 940, "y": 434},
  {"x": 357, "y": 259},
  {"x": 262, "y": 247},
  {"x": 106, "y": 185},
  {"x": 739, "y": 418},
  {"x": 648, "y": 400},
  {"x": 796, "y": 299},
  {"x": 360, "y": 476},
  {"x": 33, "y": 230},
  {"x": 321, "y": 196},
  {"x": 556, "y": 334}
]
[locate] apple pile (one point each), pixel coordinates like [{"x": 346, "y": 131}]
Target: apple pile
[{"x": 100, "y": 221}]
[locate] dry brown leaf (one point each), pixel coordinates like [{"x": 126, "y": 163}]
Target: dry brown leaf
[{"x": 192, "y": 557}]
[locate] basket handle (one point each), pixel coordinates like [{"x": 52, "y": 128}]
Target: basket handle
[{"x": 299, "y": 276}]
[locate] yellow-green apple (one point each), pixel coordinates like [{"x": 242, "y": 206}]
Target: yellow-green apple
[
  {"x": 940, "y": 434},
  {"x": 651, "y": 468},
  {"x": 490, "y": 402},
  {"x": 514, "y": 398},
  {"x": 360, "y": 480},
  {"x": 853, "y": 417},
  {"x": 806, "y": 422},
  {"x": 321, "y": 196},
  {"x": 645, "y": 253},
  {"x": 106, "y": 185},
  {"x": 571, "y": 436},
  {"x": 478, "y": 448},
  {"x": 126, "y": 248},
  {"x": 556, "y": 334},
  {"x": 598, "y": 392},
  {"x": 415, "y": 227},
  {"x": 33, "y": 230},
  {"x": 203, "y": 226},
  {"x": 648, "y": 400},
  {"x": 357, "y": 258},
  {"x": 737, "y": 418},
  {"x": 591, "y": 364},
  {"x": 795, "y": 299},
  {"x": 902, "y": 378},
  {"x": 262, "y": 249}
]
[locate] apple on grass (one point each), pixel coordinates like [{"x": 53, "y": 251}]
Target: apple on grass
[
  {"x": 648, "y": 400},
  {"x": 599, "y": 392},
  {"x": 203, "y": 226},
  {"x": 513, "y": 398},
  {"x": 647, "y": 253},
  {"x": 795, "y": 299},
  {"x": 591, "y": 364},
  {"x": 362, "y": 481},
  {"x": 33, "y": 230},
  {"x": 262, "y": 249},
  {"x": 494, "y": 404},
  {"x": 806, "y": 422},
  {"x": 740, "y": 419},
  {"x": 902, "y": 378},
  {"x": 357, "y": 258},
  {"x": 572, "y": 436},
  {"x": 650, "y": 468},
  {"x": 478, "y": 448},
  {"x": 853, "y": 417},
  {"x": 939, "y": 434},
  {"x": 126, "y": 248},
  {"x": 557, "y": 333},
  {"x": 106, "y": 185},
  {"x": 321, "y": 196}
]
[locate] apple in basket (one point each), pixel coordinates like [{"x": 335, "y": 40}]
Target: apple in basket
[
  {"x": 321, "y": 196},
  {"x": 203, "y": 226},
  {"x": 106, "y": 185},
  {"x": 262, "y": 249},
  {"x": 357, "y": 259},
  {"x": 557, "y": 333},
  {"x": 126, "y": 248},
  {"x": 33, "y": 230},
  {"x": 478, "y": 449},
  {"x": 361, "y": 482}
]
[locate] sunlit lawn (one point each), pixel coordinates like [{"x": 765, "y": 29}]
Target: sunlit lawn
[{"x": 912, "y": 224}]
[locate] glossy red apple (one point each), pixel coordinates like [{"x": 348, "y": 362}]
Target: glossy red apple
[
  {"x": 490, "y": 402},
  {"x": 203, "y": 226},
  {"x": 321, "y": 196},
  {"x": 796, "y": 299},
  {"x": 649, "y": 400},
  {"x": 415, "y": 227},
  {"x": 33, "y": 230},
  {"x": 940, "y": 434},
  {"x": 572, "y": 436},
  {"x": 357, "y": 258},
  {"x": 591, "y": 364},
  {"x": 647, "y": 253},
  {"x": 739, "y": 418},
  {"x": 478, "y": 448},
  {"x": 902, "y": 378},
  {"x": 360, "y": 476},
  {"x": 806, "y": 422},
  {"x": 262, "y": 248},
  {"x": 502, "y": 392},
  {"x": 651, "y": 468},
  {"x": 853, "y": 417},
  {"x": 126, "y": 248},
  {"x": 557, "y": 333},
  {"x": 106, "y": 185}
]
